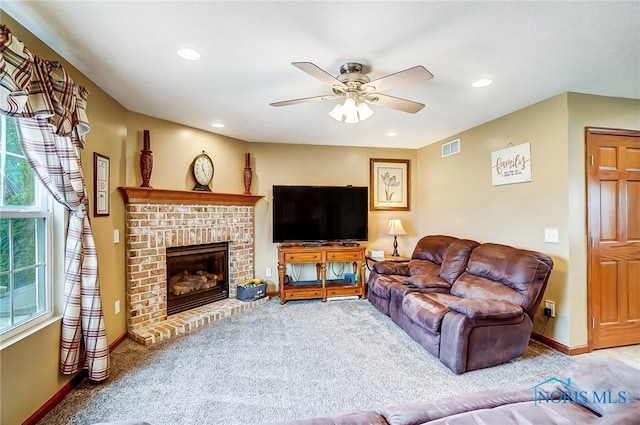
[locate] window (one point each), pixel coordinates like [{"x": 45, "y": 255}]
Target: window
[{"x": 25, "y": 235}]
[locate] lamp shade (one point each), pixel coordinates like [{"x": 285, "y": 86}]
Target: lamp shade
[{"x": 395, "y": 227}]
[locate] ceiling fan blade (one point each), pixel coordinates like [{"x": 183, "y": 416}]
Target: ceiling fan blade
[
  {"x": 319, "y": 73},
  {"x": 387, "y": 101},
  {"x": 408, "y": 76},
  {"x": 302, "y": 100}
]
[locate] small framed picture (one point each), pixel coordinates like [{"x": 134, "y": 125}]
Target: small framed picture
[
  {"x": 101, "y": 185},
  {"x": 389, "y": 181}
]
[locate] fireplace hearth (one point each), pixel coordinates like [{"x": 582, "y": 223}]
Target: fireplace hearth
[{"x": 196, "y": 275}]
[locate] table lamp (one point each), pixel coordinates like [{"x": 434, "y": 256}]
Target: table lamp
[{"x": 395, "y": 228}]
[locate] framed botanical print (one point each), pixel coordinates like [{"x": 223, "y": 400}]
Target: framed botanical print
[{"x": 389, "y": 181}]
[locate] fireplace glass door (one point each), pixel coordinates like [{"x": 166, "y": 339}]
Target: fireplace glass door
[{"x": 196, "y": 275}]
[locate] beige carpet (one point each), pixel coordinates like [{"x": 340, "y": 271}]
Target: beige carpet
[{"x": 278, "y": 362}]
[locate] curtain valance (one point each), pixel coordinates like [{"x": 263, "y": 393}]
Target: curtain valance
[{"x": 31, "y": 87}]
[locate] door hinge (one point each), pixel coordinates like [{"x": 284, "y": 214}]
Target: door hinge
[
  {"x": 591, "y": 159},
  {"x": 593, "y": 322},
  {"x": 593, "y": 243}
]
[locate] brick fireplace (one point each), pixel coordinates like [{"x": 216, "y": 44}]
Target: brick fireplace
[{"x": 157, "y": 219}]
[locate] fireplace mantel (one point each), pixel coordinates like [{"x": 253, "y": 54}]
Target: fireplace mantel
[{"x": 145, "y": 195}]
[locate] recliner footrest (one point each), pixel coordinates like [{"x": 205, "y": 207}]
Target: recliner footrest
[{"x": 424, "y": 311}]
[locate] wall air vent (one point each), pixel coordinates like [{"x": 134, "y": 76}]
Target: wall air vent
[{"x": 451, "y": 148}]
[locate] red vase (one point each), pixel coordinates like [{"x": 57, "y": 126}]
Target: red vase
[
  {"x": 146, "y": 160},
  {"x": 247, "y": 181}
]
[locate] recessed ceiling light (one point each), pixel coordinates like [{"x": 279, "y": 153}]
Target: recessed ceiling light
[
  {"x": 217, "y": 125},
  {"x": 188, "y": 53},
  {"x": 392, "y": 134},
  {"x": 484, "y": 82}
]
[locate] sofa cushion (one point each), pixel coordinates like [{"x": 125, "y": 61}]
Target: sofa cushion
[
  {"x": 368, "y": 417},
  {"x": 424, "y": 311},
  {"x": 475, "y": 308},
  {"x": 455, "y": 260},
  {"x": 522, "y": 413},
  {"x": 627, "y": 414},
  {"x": 432, "y": 248},
  {"x": 424, "y": 281},
  {"x": 383, "y": 284},
  {"x": 599, "y": 375}
]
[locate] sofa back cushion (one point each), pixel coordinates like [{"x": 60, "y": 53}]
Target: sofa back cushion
[
  {"x": 418, "y": 267},
  {"x": 455, "y": 260},
  {"x": 505, "y": 273},
  {"x": 432, "y": 248}
]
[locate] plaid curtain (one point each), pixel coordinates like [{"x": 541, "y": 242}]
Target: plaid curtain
[{"x": 50, "y": 111}]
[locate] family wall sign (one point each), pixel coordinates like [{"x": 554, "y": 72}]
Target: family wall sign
[{"x": 511, "y": 165}]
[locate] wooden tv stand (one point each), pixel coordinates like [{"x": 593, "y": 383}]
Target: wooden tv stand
[{"x": 320, "y": 256}]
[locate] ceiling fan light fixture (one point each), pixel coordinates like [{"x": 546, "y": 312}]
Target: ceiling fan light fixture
[
  {"x": 349, "y": 107},
  {"x": 364, "y": 111},
  {"x": 352, "y": 118},
  {"x": 336, "y": 112}
]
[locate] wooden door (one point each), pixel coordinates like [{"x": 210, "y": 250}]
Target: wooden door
[{"x": 613, "y": 190}]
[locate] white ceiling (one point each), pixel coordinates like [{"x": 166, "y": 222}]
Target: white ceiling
[{"x": 532, "y": 51}]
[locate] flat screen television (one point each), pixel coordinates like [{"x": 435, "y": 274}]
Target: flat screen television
[{"x": 320, "y": 213}]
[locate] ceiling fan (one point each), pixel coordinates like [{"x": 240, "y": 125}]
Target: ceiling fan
[{"x": 358, "y": 91}]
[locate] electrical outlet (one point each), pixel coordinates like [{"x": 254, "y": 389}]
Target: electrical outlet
[
  {"x": 268, "y": 273},
  {"x": 116, "y": 307},
  {"x": 550, "y": 306}
]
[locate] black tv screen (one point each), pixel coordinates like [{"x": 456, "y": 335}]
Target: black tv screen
[{"x": 320, "y": 213}]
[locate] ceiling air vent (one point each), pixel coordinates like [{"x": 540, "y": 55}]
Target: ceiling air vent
[{"x": 451, "y": 148}]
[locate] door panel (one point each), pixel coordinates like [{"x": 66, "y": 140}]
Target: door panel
[
  {"x": 633, "y": 211},
  {"x": 608, "y": 304},
  {"x": 634, "y": 289},
  {"x": 609, "y": 211},
  {"x": 613, "y": 188}
]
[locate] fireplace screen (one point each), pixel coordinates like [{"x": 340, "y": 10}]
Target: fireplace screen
[{"x": 196, "y": 275}]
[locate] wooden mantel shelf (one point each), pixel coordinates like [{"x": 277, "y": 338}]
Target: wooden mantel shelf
[{"x": 145, "y": 195}]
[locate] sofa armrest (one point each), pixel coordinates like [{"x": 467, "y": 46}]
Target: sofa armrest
[
  {"x": 476, "y": 308},
  {"x": 426, "y": 411},
  {"x": 391, "y": 267}
]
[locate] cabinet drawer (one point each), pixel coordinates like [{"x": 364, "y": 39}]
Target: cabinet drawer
[
  {"x": 303, "y": 294},
  {"x": 344, "y": 256},
  {"x": 303, "y": 257},
  {"x": 341, "y": 292}
]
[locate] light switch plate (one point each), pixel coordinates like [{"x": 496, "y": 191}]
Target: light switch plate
[{"x": 116, "y": 236}]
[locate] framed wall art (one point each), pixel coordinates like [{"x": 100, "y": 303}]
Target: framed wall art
[
  {"x": 101, "y": 185},
  {"x": 389, "y": 181}
]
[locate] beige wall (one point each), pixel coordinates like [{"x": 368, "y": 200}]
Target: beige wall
[
  {"x": 174, "y": 147},
  {"x": 280, "y": 164},
  {"x": 29, "y": 367},
  {"x": 457, "y": 197},
  {"x": 587, "y": 111}
]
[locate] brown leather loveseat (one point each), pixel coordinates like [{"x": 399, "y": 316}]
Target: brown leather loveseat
[{"x": 471, "y": 305}]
